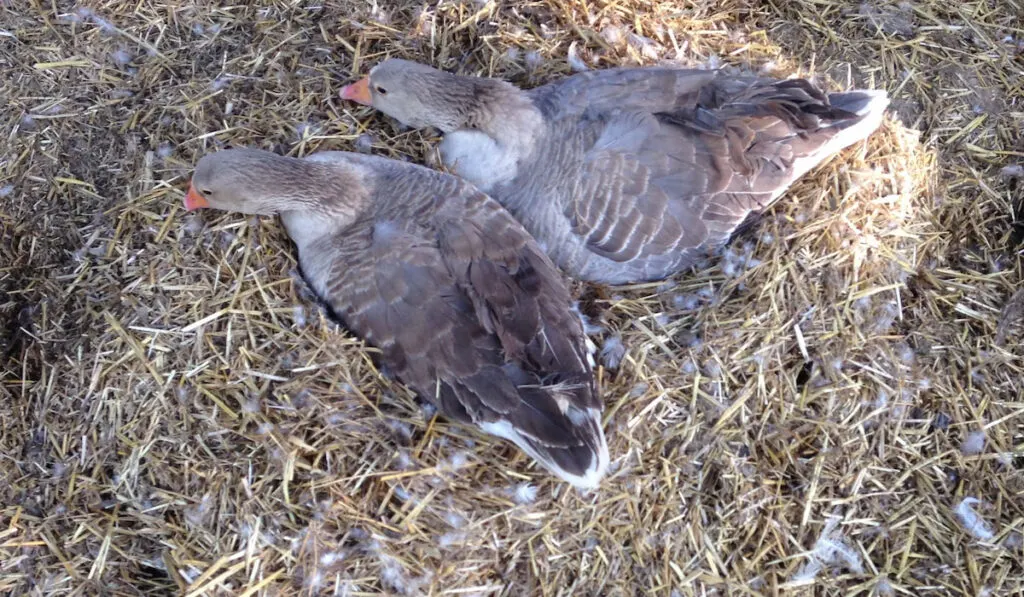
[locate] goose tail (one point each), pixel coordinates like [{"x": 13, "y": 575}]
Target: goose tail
[
  {"x": 867, "y": 105},
  {"x": 580, "y": 459},
  {"x": 858, "y": 115}
]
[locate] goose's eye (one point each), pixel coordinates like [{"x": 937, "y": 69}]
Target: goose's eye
[
  {"x": 381, "y": 90},
  {"x": 206, "y": 192}
]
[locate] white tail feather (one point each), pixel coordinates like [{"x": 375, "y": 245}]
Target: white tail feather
[
  {"x": 590, "y": 479},
  {"x": 872, "y": 111}
]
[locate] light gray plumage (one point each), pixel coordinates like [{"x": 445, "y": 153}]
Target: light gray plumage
[
  {"x": 627, "y": 175},
  {"x": 464, "y": 306}
]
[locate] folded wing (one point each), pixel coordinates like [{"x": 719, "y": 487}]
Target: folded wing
[{"x": 469, "y": 313}]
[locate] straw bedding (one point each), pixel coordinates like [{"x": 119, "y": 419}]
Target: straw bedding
[{"x": 832, "y": 406}]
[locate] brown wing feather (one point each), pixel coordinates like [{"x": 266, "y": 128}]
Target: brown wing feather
[
  {"x": 661, "y": 180},
  {"x": 466, "y": 311},
  {"x": 518, "y": 293}
]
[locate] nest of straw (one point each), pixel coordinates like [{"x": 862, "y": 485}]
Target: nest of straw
[{"x": 832, "y": 406}]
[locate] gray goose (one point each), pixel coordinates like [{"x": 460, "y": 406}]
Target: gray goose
[
  {"x": 465, "y": 308},
  {"x": 631, "y": 174}
]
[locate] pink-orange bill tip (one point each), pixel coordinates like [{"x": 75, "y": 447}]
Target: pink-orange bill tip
[
  {"x": 358, "y": 92},
  {"x": 194, "y": 201}
]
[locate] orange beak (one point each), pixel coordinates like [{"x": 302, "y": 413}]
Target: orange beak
[
  {"x": 358, "y": 92},
  {"x": 194, "y": 200}
]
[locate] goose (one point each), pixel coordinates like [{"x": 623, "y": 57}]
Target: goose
[
  {"x": 464, "y": 306},
  {"x": 627, "y": 175}
]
